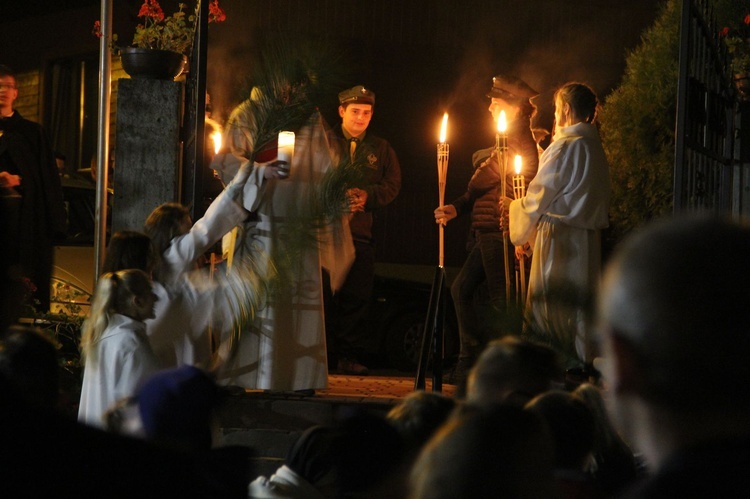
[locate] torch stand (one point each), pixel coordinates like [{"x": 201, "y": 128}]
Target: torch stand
[{"x": 432, "y": 335}]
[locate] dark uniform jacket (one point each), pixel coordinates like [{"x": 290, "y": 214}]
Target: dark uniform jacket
[{"x": 382, "y": 176}]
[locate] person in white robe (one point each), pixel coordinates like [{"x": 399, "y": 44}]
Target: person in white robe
[
  {"x": 283, "y": 348},
  {"x": 561, "y": 217},
  {"x": 117, "y": 354},
  {"x": 189, "y": 302}
]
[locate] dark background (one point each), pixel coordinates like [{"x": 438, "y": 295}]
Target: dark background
[{"x": 420, "y": 57}]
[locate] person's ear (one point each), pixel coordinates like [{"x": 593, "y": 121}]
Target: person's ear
[
  {"x": 567, "y": 112},
  {"x": 626, "y": 371},
  {"x": 341, "y": 111}
]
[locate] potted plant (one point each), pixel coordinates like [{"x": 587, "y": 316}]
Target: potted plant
[
  {"x": 737, "y": 41},
  {"x": 161, "y": 43}
]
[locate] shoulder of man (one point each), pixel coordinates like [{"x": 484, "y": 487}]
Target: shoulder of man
[
  {"x": 26, "y": 127},
  {"x": 481, "y": 156}
]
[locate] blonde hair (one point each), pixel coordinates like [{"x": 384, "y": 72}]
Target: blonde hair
[{"x": 114, "y": 295}]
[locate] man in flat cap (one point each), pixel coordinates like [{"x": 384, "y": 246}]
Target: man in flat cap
[
  {"x": 485, "y": 263},
  {"x": 382, "y": 183}
]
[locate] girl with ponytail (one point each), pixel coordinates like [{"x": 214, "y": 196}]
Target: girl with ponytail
[{"x": 114, "y": 345}]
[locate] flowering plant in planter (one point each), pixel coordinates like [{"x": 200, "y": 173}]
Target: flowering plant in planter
[
  {"x": 737, "y": 41},
  {"x": 174, "y": 32}
]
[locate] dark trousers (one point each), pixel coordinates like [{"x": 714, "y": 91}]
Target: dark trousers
[
  {"x": 483, "y": 265},
  {"x": 345, "y": 311}
]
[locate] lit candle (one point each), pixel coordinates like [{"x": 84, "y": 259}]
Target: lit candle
[
  {"x": 502, "y": 124},
  {"x": 216, "y": 137},
  {"x": 443, "y": 149},
  {"x": 285, "y": 152},
  {"x": 517, "y": 163}
]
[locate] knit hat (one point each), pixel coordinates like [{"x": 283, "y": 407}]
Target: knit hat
[{"x": 176, "y": 407}]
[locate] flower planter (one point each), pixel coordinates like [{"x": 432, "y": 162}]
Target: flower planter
[{"x": 152, "y": 63}]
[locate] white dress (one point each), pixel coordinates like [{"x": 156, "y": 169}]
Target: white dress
[
  {"x": 561, "y": 216},
  {"x": 119, "y": 363},
  {"x": 284, "y": 348}
]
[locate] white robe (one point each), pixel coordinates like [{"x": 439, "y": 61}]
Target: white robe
[
  {"x": 283, "y": 484},
  {"x": 179, "y": 332},
  {"x": 119, "y": 363},
  {"x": 284, "y": 348},
  {"x": 561, "y": 216}
]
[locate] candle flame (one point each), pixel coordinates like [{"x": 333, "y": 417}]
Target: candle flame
[
  {"x": 517, "y": 163},
  {"x": 216, "y": 137},
  {"x": 286, "y": 139},
  {"x": 444, "y": 128},
  {"x": 502, "y": 124}
]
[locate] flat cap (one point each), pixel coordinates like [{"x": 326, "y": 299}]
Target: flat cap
[
  {"x": 510, "y": 87},
  {"x": 358, "y": 94}
]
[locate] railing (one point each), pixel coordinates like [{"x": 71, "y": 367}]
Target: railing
[{"x": 706, "y": 108}]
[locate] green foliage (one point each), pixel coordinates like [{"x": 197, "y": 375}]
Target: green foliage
[
  {"x": 288, "y": 83},
  {"x": 638, "y": 123},
  {"x": 173, "y": 32}
]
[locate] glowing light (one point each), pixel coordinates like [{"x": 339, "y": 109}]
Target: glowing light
[
  {"x": 502, "y": 124},
  {"x": 444, "y": 129}
]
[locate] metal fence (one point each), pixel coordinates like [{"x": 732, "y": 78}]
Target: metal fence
[{"x": 704, "y": 168}]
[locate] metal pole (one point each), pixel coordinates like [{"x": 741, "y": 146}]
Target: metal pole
[{"x": 102, "y": 153}]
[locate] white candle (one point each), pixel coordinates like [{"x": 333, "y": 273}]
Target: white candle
[
  {"x": 517, "y": 164},
  {"x": 285, "y": 151}
]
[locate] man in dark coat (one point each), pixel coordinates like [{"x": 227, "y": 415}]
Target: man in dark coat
[
  {"x": 382, "y": 183},
  {"x": 30, "y": 185}
]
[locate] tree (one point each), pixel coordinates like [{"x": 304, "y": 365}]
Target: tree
[{"x": 638, "y": 126}]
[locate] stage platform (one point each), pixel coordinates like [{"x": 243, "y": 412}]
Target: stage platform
[{"x": 270, "y": 422}]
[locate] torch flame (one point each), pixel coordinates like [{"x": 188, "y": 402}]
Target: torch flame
[
  {"x": 517, "y": 164},
  {"x": 444, "y": 128},
  {"x": 502, "y": 124},
  {"x": 216, "y": 137}
]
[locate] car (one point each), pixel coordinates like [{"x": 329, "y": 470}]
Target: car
[{"x": 397, "y": 315}]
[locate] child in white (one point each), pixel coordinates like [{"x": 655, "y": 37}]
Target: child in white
[{"x": 114, "y": 345}]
